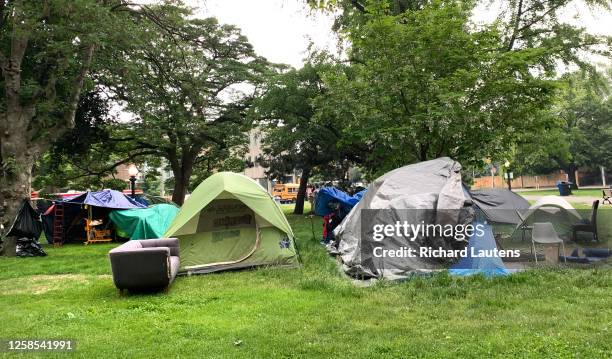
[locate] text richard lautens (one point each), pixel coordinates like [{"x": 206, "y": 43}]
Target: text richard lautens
[{"x": 412, "y": 231}]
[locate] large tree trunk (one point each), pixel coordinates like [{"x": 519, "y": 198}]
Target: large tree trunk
[
  {"x": 16, "y": 161},
  {"x": 180, "y": 190},
  {"x": 571, "y": 175},
  {"x": 182, "y": 176},
  {"x": 21, "y": 139},
  {"x": 301, "y": 196}
]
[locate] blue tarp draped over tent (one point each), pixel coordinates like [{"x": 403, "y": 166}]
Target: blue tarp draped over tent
[
  {"x": 360, "y": 195},
  {"x": 331, "y": 194},
  {"x": 142, "y": 201},
  {"x": 486, "y": 265},
  {"x": 107, "y": 198}
]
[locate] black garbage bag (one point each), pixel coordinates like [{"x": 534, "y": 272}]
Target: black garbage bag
[
  {"x": 28, "y": 247},
  {"x": 27, "y": 222}
]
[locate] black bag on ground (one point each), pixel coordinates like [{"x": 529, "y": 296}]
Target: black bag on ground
[
  {"x": 27, "y": 222},
  {"x": 27, "y": 247}
]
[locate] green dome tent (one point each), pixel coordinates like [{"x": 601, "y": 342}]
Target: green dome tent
[{"x": 231, "y": 222}]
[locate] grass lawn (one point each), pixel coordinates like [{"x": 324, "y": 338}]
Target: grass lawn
[
  {"x": 587, "y": 192},
  {"x": 308, "y": 312}
]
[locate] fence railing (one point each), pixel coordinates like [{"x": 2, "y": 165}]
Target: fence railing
[{"x": 520, "y": 182}]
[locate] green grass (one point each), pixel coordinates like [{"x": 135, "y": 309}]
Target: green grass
[
  {"x": 588, "y": 192},
  {"x": 313, "y": 311}
]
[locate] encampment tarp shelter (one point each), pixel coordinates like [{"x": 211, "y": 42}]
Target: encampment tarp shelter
[
  {"x": 144, "y": 223},
  {"x": 71, "y": 221},
  {"x": 231, "y": 222},
  {"x": 332, "y": 194},
  {"x": 425, "y": 192},
  {"x": 500, "y": 205},
  {"x": 553, "y": 209},
  {"x": 107, "y": 198}
]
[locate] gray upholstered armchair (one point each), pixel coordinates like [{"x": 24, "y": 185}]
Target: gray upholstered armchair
[{"x": 145, "y": 264}]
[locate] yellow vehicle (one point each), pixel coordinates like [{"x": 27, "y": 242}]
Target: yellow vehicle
[{"x": 286, "y": 192}]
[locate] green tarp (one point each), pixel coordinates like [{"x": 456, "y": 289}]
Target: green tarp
[
  {"x": 144, "y": 223},
  {"x": 231, "y": 222}
]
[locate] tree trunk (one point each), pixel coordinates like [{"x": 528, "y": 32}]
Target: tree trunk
[
  {"x": 571, "y": 175},
  {"x": 16, "y": 161},
  {"x": 180, "y": 190},
  {"x": 301, "y": 196},
  {"x": 181, "y": 181}
]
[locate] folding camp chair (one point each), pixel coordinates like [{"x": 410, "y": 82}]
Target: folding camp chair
[
  {"x": 544, "y": 233},
  {"x": 524, "y": 227},
  {"x": 589, "y": 225},
  {"x": 607, "y": 195}
]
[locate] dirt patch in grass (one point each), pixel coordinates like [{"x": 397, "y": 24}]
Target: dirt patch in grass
[{"x": 40, "y": 284}]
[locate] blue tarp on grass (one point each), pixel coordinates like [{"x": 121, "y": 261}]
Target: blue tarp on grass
[{"x": 488, "y": 266}]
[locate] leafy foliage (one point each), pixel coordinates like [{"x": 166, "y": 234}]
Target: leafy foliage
[
  {"x": 190, "y": 91},
  {"x": 582, "y": 131},
  {"x": 425, "y": 81},
  {"x": 83, "y": 157},
  {"x": 301, "y": 131},
  {"x": 47, "y": 50}
]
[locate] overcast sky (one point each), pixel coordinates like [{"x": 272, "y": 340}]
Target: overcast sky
[{"x": 280, "y": 30}]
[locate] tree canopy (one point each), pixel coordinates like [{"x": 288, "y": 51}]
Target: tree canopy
[
  {"x": 47, "y": 51},
  {"x": 580, "y": 133},
  {"x": 426, "y": 81},
  {"x": 302, "y": 133},
  {"x": 190, "y": 91}
]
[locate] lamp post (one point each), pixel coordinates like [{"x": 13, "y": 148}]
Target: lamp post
[{"x": 133, "y": 171}]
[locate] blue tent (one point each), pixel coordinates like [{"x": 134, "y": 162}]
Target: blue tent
[
  {"x": 331, "y": 194},
  {"x": 107, "y": 198},
  {"x": 489, "y": 265}
]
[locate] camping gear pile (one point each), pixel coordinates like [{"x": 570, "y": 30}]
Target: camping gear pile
[
  {"x": 88, "y": 217},
  {"x": 231, "y": 222}
]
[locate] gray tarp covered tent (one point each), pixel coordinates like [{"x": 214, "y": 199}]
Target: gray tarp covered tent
[
  {"x": 500, "y": 205},
  {"x": 431, "y": 186}
]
